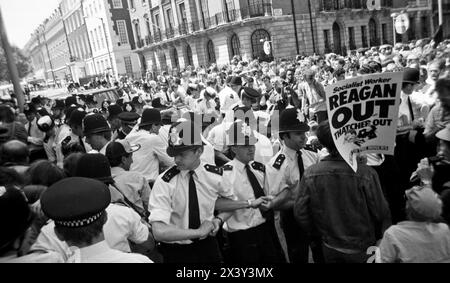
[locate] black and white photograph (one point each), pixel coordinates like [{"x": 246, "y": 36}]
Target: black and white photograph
[{"x": 257, "y": 134}]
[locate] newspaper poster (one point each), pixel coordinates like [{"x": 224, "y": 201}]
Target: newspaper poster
[{"x": 363, "y": 114}]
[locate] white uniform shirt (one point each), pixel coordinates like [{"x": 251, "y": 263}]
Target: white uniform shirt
[
  {"x": 164, "y": 134},
  {"x": 169, "y": 200},
  {"x": 123, "y": 224},
  {"x": 204, "y": 106},
  {"x": 235, "y": 177},
  {"x": 288, "y": 175},
  {"x": 228, "y": 97},
  {"x": 218, "y": 139},
  {"x": 133, "y": 185},
  {"x": 102, "y": 253},
  {"x": 153, "y": 151}
]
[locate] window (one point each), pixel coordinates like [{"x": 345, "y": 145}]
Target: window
[
  {"x": 211, "y": 52},
  {"x": 326, "y": 39},
  {"x": 132, "y": 6},
  {"x": 190, "y": 60},
  {"x": 205, "y": 14},
  {"x": 93, "y": 40},
  {"x": 229, "y": 10},
  {"x": 175, "y": 62},
  {"x": 258, "y": 38},
  {"x": 256, "y": 8},
  {"x": 128, "y": 65},
  {"x": 102, "y": 36},
  {"x": 123, "y": 34},
  {"x": 235, "y": 45},
  {"x": 412, "y": 29},
  {"x": 351, "y": 35},
  {"x": 364, "y": 36},
  {"x": 169, "y": 19},
  {"x": 374, "y": 41},
  {"x": 425, "y": 25},
  {"x": 117, "y": 4},
  {"x": 183, "y": 25},
  {"x": 384, "y": 33}
]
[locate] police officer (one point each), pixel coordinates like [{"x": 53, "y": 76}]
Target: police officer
[
  {"x": 284, "y": 173},
  {"x": 97, "y": 132},
  {"x": 206, "y": 104},
  {"x": 81, "y": 224},
  {"x": 250, "y": 230},
  {"x": 128, "y": 120},
  {"x": 183, "y": 201},
  {"x": 153, "y": 155}
]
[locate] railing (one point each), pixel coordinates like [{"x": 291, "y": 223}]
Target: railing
[{"x": 230, "y": 16}]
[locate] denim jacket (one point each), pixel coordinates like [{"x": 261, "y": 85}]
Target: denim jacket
[{"x": 342, "y": 206}]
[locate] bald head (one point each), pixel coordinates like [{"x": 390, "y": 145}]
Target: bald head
[{"x": 15, "y": 152}]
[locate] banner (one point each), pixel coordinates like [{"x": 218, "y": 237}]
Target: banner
[{"x": 363, "y": 114}]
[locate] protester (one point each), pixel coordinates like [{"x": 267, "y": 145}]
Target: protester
[{"x": 418, "y": 240}]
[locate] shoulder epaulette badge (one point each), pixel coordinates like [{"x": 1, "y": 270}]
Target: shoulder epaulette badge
[
  {"x": 259, "y": 166},
  {"x": 227, "y": 168},
  {"x": 279, "y": 162},
  {"x": 214, "y": 169},
  {"x": 170, "y": 174}
]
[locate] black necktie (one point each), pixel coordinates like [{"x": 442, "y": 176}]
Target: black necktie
[
  {"x": 301, "y": 166},
  {"x": 257, "y": 189},
  {"x": 82, "y": 144},
  {"x": 194, "y": 209},
  {"x": 29, "y": 130},
  {"x": 411, "y": 111}
]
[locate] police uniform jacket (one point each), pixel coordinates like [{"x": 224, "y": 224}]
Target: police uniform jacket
[
  {"x": 235, "y": 177},
  {"x": 283, "y": 171},
  {"x": 169, "y": 199},
  {"x": 152, "y": 152}
]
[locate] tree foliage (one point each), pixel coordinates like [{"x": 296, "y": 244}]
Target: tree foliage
[{"x": 23, "y": 64}]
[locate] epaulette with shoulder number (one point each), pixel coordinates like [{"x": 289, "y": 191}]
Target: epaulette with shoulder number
[
  {"x": 227, "y": 168},
  {"x": 214, "y": 169},
  {"x": 259, "y": 166},
  {"x": 279, "y": 162},
  {"x": 172, "y": 172}
]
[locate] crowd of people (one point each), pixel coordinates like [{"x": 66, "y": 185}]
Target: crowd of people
[{"x": 231, "y": 164}]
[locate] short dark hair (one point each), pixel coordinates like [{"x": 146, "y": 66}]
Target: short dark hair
[
  {"x": 325, "y": 137},
  {"x": 115, "y": 161},
  {"x": 442, "y": 84},
  {"x": 44, "y": 173},
  {"x": 83, "y": 235},
  {"x": 14, "y": 154},
  {"x": 71, "y": 162},
  {"x": 10, "y": 177},
  {"x": 6, "y": 114},
  {"x": 107, "y": 135}
]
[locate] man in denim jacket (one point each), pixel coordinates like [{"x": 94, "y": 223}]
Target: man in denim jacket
[{"x": 347, "y": 210}]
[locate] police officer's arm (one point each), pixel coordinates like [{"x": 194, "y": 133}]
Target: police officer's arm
[
  {"x": 282, "y": 201},
  {"x": 160, "y": 150},
  {"x": 169, "y": 233},
  {"x": 229, "y": 205},
  {"x": 160, "y": 206}
]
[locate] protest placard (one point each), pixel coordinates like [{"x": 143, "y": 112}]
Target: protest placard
[{"x": 363, "y": 114}]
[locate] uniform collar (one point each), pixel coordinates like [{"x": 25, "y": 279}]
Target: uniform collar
[
  {"x": 117, "y": 170},
  {"x": 292, "y": 154},
  {"x": 239, "y": 165},
  {"x": 197, "y": 171},
  {"x": 77, "y": 255}
]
